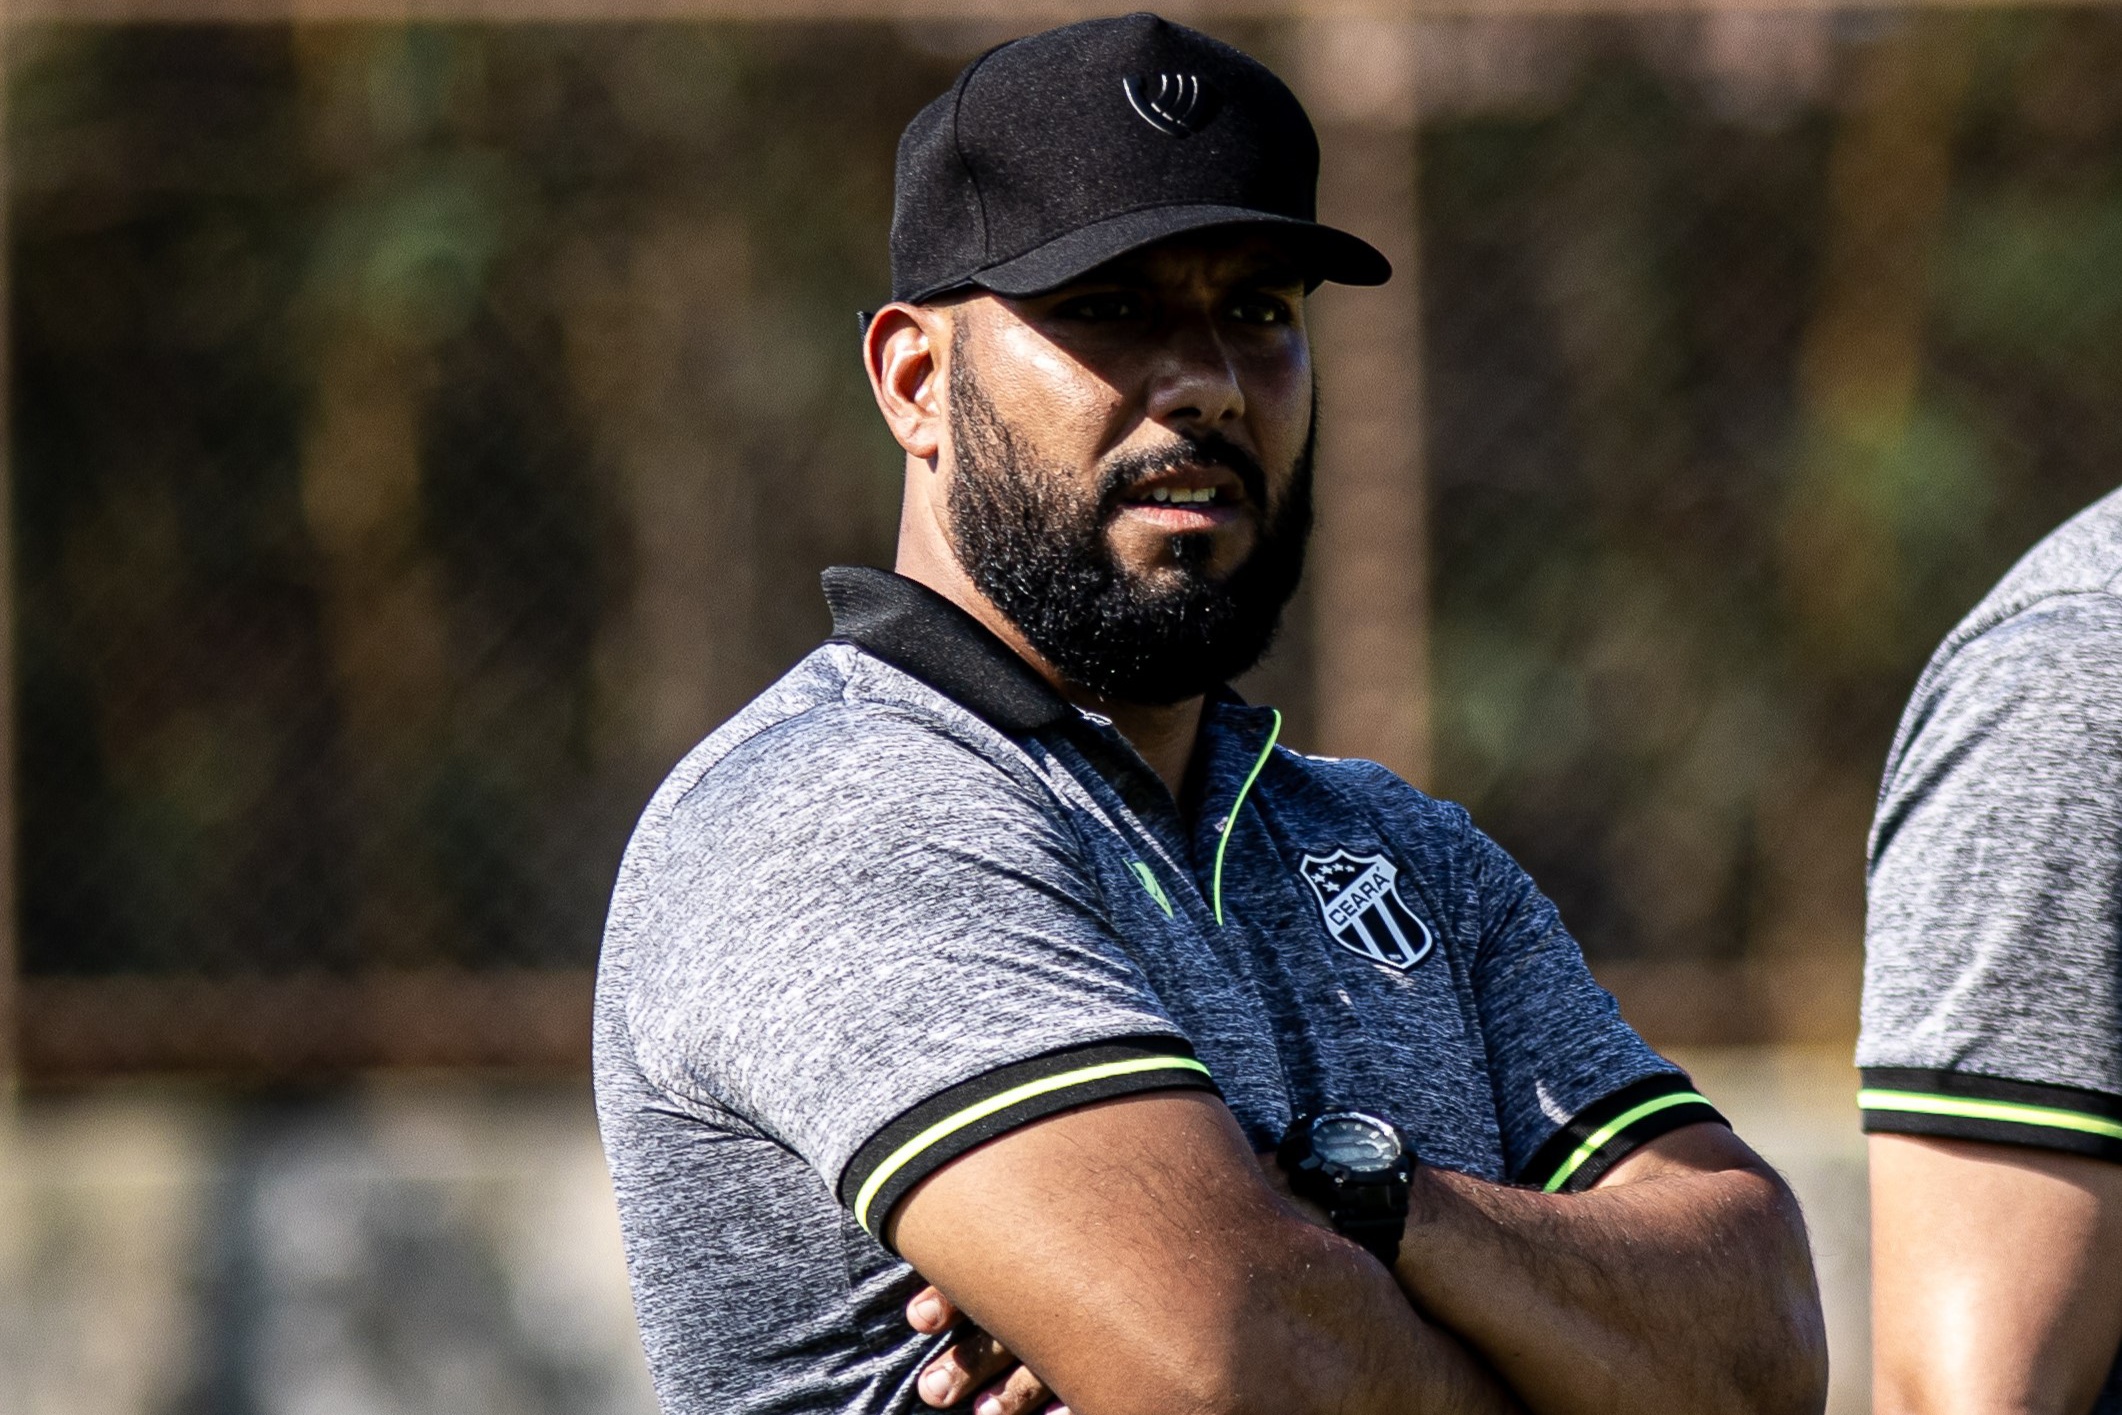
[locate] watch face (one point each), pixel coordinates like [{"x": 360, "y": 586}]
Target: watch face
[{"x": 1355, "y": 1142}]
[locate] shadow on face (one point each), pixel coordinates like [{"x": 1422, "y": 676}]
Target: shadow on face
[{"x": 1172, "y": 388}]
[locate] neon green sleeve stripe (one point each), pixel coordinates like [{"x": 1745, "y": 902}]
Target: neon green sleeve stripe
[
  {"x": 1608, "y": 1131},
  {"x": 951, "y": 1125},
  {"x": 1230, "y": 822},
  {"x": 2010, "y": 1112}
]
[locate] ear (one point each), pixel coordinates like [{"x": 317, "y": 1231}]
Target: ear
[{"x": 902, "y": 349}]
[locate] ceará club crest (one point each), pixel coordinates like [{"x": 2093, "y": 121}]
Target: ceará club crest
[{"x": 1359, "y": 899}]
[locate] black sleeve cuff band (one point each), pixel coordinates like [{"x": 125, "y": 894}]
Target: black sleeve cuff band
[
  {"x": 1956, "y": 1105},
  {"x": 1575, "y": 1156},
  {"x": 940, "y": 1129}
]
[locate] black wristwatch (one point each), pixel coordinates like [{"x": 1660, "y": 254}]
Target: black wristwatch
[{"x": 1356, "y": 1167}]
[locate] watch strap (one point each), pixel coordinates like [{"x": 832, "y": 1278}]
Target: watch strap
[
  {"x": 1379, "y": 1234},
  {"x": 1372, "y": 1213}
]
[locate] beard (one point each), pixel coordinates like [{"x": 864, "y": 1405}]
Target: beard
[{"x": 1038, "y": 550}]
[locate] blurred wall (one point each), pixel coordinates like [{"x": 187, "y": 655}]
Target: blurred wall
[{"x": 430, "y": 1245}]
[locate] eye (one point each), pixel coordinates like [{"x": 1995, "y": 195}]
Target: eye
[
  {"x": 1259, "y": 308},
  {"x": 1102, "y": 306}
]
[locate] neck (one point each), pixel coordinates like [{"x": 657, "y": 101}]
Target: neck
[{"x": 1164, "y": 736}]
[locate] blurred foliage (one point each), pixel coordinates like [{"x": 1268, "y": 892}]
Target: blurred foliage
[
  {"x": 1734, "y": 414},
  {"x": 423, "y": 435}
]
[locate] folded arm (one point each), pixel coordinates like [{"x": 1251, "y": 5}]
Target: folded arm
[
  {"x": 1681, "y": 1281},
  {"x": 1132, "y": 1254}
]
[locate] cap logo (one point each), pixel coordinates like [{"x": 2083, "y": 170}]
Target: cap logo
[{"x": 1173, "y": 104}]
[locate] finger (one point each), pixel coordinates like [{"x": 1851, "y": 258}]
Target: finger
[
  {"x": 980, "y": 1356},
  {"x": 1018, "y": 1393},
  {"x": 930, "y": 1311},
  {"x": 969, "y": 1360}
]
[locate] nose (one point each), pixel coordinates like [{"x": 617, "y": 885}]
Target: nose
[{"x": 1195, "y": 384}]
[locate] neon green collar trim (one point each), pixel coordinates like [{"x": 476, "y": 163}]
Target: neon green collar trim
[{"x": 1230, "y": 822}]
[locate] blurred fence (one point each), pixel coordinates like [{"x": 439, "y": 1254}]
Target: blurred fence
[{"x": 423, "y": 433}]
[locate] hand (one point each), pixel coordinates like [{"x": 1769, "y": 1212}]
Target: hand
[{"x": 974, "y": 1357}]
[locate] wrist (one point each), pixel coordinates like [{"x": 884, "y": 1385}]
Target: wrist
[
  {"x": 1429, "y": 1196},
  {"x": 1278, "y": 1180},
  {"x": 1450, "y": 1228},
  {"x": 1356, "y": 1168}
]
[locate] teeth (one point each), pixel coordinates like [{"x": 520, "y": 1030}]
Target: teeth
[{"x": 1182, "y": 497}]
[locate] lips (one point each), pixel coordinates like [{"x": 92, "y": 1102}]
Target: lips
[{"x": 1186, "y": 498}]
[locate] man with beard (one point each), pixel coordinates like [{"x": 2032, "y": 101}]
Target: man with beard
[{"x": 999, "y": 946}]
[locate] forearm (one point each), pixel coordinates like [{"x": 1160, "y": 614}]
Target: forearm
[
  {"x": 1444, "y": 1376},
  {"x": 1332, "y": 1333},
  {"x": 1450, "y": 1378},
  {"x": 1689, "y": 1291},
  {"x": 1310, "y": 1326},
  {"x": 1339, "y": 1358},
  {"x": 1131, "y": 1255}
]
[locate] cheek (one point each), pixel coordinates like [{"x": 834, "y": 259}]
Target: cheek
[
  {"x": 1279, "y": 406},
  {"x": 1059, "y": 407}
]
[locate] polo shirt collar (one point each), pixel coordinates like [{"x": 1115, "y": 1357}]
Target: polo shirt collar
[{"x": 916, "y": 630}]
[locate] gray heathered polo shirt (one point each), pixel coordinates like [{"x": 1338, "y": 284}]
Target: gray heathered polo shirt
[
  {"x": 1993, "y": 941},
  {"x": 909, "y": 898}
]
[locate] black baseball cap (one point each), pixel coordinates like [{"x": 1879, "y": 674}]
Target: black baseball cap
[{"x": 1056, "y": 153}]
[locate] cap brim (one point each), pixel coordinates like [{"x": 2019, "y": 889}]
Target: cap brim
[{"x": 1324, "y": 252}]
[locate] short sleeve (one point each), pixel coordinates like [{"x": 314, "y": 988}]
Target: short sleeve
[
  {"x": 1576, "y": 1088},
  {"x": 1993, "y": 933},
  {"x": 880, "y": 949}
]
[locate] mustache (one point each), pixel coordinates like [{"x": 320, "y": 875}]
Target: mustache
[{"x": 1126, "y": 472}]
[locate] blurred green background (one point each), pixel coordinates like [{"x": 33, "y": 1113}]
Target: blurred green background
[{"x": 422, "y": 435}]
